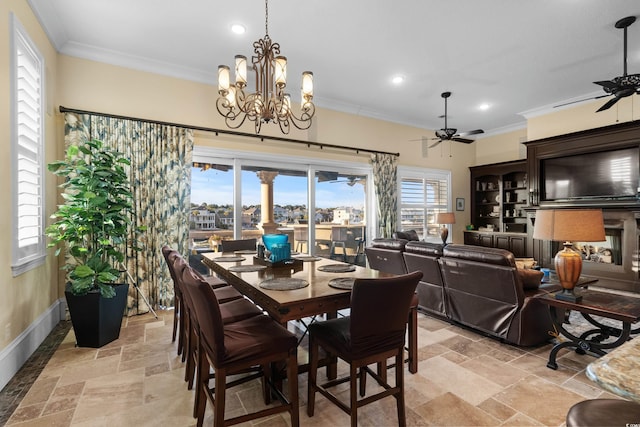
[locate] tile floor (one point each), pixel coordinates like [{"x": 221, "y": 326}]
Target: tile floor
[{"x": 464, "y": 379}]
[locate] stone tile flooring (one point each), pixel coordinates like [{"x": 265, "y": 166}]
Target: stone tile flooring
[{"x": 464, "y": 379}]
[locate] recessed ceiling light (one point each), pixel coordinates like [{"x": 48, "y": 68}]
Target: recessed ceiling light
[
  {"x": 396, "y": 80},
  {"x": 484, "y": 107},
  {"x": 238, "y": 28}
]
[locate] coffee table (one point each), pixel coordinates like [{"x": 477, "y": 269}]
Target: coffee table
[{"x": 622, "y": 308}]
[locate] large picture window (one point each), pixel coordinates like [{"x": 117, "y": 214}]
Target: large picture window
[
  {"x": 322, "y": 206},
  {"x": 27, "y": 142}
]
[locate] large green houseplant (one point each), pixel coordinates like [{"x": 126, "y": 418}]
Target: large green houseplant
[{"x": 93, "y": 225}]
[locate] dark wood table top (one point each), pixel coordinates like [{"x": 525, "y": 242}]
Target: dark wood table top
[
  {"x": 605, "y": 304},
  {"x": 284, "y": 305}
]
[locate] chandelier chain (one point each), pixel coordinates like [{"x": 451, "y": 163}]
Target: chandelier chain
[{"x": 266, "y": 17}]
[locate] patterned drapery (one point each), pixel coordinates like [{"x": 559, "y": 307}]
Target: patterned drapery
[
  {"x": 385, "y": 172},
  {"x": 160, "y": 173}
]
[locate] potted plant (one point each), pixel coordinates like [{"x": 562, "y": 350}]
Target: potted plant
[{"x": 93, "y": 224}]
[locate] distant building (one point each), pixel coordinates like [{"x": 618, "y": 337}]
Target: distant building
[
  {"x": 348, "y": 214},
  {"x": 203, "y": 219}
]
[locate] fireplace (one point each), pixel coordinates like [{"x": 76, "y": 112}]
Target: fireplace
[{"x": 614, "y": 262}]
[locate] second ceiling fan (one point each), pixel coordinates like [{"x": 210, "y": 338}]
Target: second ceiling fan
[{"x": 451, "y": 134}]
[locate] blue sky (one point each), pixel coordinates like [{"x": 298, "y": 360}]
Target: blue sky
[{"x": 214, "y": 186}]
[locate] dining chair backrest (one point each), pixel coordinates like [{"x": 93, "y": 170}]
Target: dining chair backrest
[
  {"x": 169, "y": 256},
  {"x": 207, "y": 311},
  {"x": 238, "y": 245},
  {"x": 379, "y": 311}
]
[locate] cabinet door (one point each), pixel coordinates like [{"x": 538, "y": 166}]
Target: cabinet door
[
  {"x": 485, "y": 240},
  {"x": 470, "y": 238},
  {"x": 518, "y": 246},
  {"x": 502, "y": 242}
]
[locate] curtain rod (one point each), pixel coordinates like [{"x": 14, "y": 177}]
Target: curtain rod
[{"x": 230, "y": 132}]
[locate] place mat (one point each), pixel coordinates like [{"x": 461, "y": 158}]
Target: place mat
[
  {"x": 284, "y": 284},
  {"x": 246, "y": 268},
  {"x": 229, "y": 259},
  {"x": 337, "y": 268},
  {"x": 245, "y": 251},
  {"x": 342, "y": 283},
  {"x": 307, "y": 258}
]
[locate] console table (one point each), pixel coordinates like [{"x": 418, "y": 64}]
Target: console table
[{"x": 604, "y": 304}]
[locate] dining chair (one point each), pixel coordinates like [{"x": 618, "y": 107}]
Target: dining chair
[
  {"x": 365, "y": 337},
  {"x": 603, "y": 412},
  {"x": 235, "y": 348},
  {"x": 224, "y": 292},
  {"x": 238, "y": 245}
]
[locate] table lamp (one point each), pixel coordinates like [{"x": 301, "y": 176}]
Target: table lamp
[
  {"x": 567, "y": 225},
  {"x": 444, "y": 218}
]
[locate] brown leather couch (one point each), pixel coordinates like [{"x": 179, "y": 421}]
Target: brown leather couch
[
  {"x": 474, "y": 286},
  {"x": 486, "y": 291}
]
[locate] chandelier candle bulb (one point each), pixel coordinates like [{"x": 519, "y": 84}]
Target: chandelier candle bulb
[
  {"x": 223, "y": 80},
  {"x": 307, "y": 86},
  {"x": 281, "y": 71},
  {"x": 241, "y": 70}
]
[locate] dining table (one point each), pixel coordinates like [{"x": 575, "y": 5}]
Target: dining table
[{"x": 301, "y": 287}]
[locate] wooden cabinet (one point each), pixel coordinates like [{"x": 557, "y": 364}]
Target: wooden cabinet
[
  {"x": 499, "y": 196},
  {"x": 516, "y": 243}
]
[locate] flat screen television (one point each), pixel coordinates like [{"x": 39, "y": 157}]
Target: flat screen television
[{"x": 606, "y": 174}]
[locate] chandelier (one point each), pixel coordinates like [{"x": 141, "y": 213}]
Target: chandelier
[{"x": 269, "y": 102}]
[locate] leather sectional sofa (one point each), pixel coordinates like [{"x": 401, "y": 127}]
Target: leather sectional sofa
[{"x": 475, "y": 286}]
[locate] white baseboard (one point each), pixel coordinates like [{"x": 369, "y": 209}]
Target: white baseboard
[{"x": 16, "y": 354}]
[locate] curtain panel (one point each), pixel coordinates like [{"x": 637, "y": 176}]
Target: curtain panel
[
  {"x": 385, "y": 172},
  {"x": 160, "y": 174}
]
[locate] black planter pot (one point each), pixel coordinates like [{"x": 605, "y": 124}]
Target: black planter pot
[{"x": 96, "y": 321}]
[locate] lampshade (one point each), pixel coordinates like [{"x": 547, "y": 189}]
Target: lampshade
[
  {"x": 584, "y": 225},
  {"x": 445, "y": 218},
  {"x": 567, "y": 225}
]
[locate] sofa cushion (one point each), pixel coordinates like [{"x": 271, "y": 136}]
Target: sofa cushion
[
  {"x": 530, "y": 279},
  {"x": 480, "y": 254},
  {"x": 392, "y": 244},
  {"x": 411, "y": 235},
  {"x": 425, "y": 248}
]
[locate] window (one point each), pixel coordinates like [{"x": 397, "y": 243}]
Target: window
[
  {"x": 321, "y": 204},
  {"x": 422, "y": 194},
  {"x": 27, "y": 141}
]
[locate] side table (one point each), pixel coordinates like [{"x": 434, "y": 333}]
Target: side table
[{"x": 608, "y": 305}]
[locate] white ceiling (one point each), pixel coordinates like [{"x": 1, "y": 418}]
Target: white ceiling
[{"x": 516, "y": 55}]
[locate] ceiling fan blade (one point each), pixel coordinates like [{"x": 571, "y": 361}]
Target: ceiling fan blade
[
  {"x": 471, "y": 132},
  {"x": 582, "y": 100},
  {"x": 608, "y": 104},
  {"x": 435, "y": 144},
  {"x": 607, "y": 84},
  {"x": 463, "y": 140}
]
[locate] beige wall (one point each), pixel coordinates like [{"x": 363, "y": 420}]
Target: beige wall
[
  {"x": 26, "y": 297},
  {"x": 501, "y": 148},
  {"x": 93, "y": 86}
]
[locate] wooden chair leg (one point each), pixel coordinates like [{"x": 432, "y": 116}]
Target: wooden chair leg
[
  {"x": 311, "y": 383},
  {"x": 402, "y": 419},
  {"x": 292, "y": 379},
  {"x": 266, "y": 390},
  {"x": 354, "y": 394},
  {"x": 363, "y": 381},
  {"x": 413, "y": 340},
  {"x": 220, "y": 397},
  {"x": 202, "y": 383}
]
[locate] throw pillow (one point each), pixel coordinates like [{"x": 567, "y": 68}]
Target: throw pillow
[{"x": 530, "y": 279}]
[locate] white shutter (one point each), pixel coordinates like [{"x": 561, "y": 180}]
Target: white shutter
[
  {"x": 28, "y": 151},
  {"x": 423, "y": 193}
]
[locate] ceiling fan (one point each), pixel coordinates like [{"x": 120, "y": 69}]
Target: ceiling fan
[
  {"x": 622, "y": 86},
  {"x": 451, "y": 134},
  {"x": 625, "y": 85}
]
